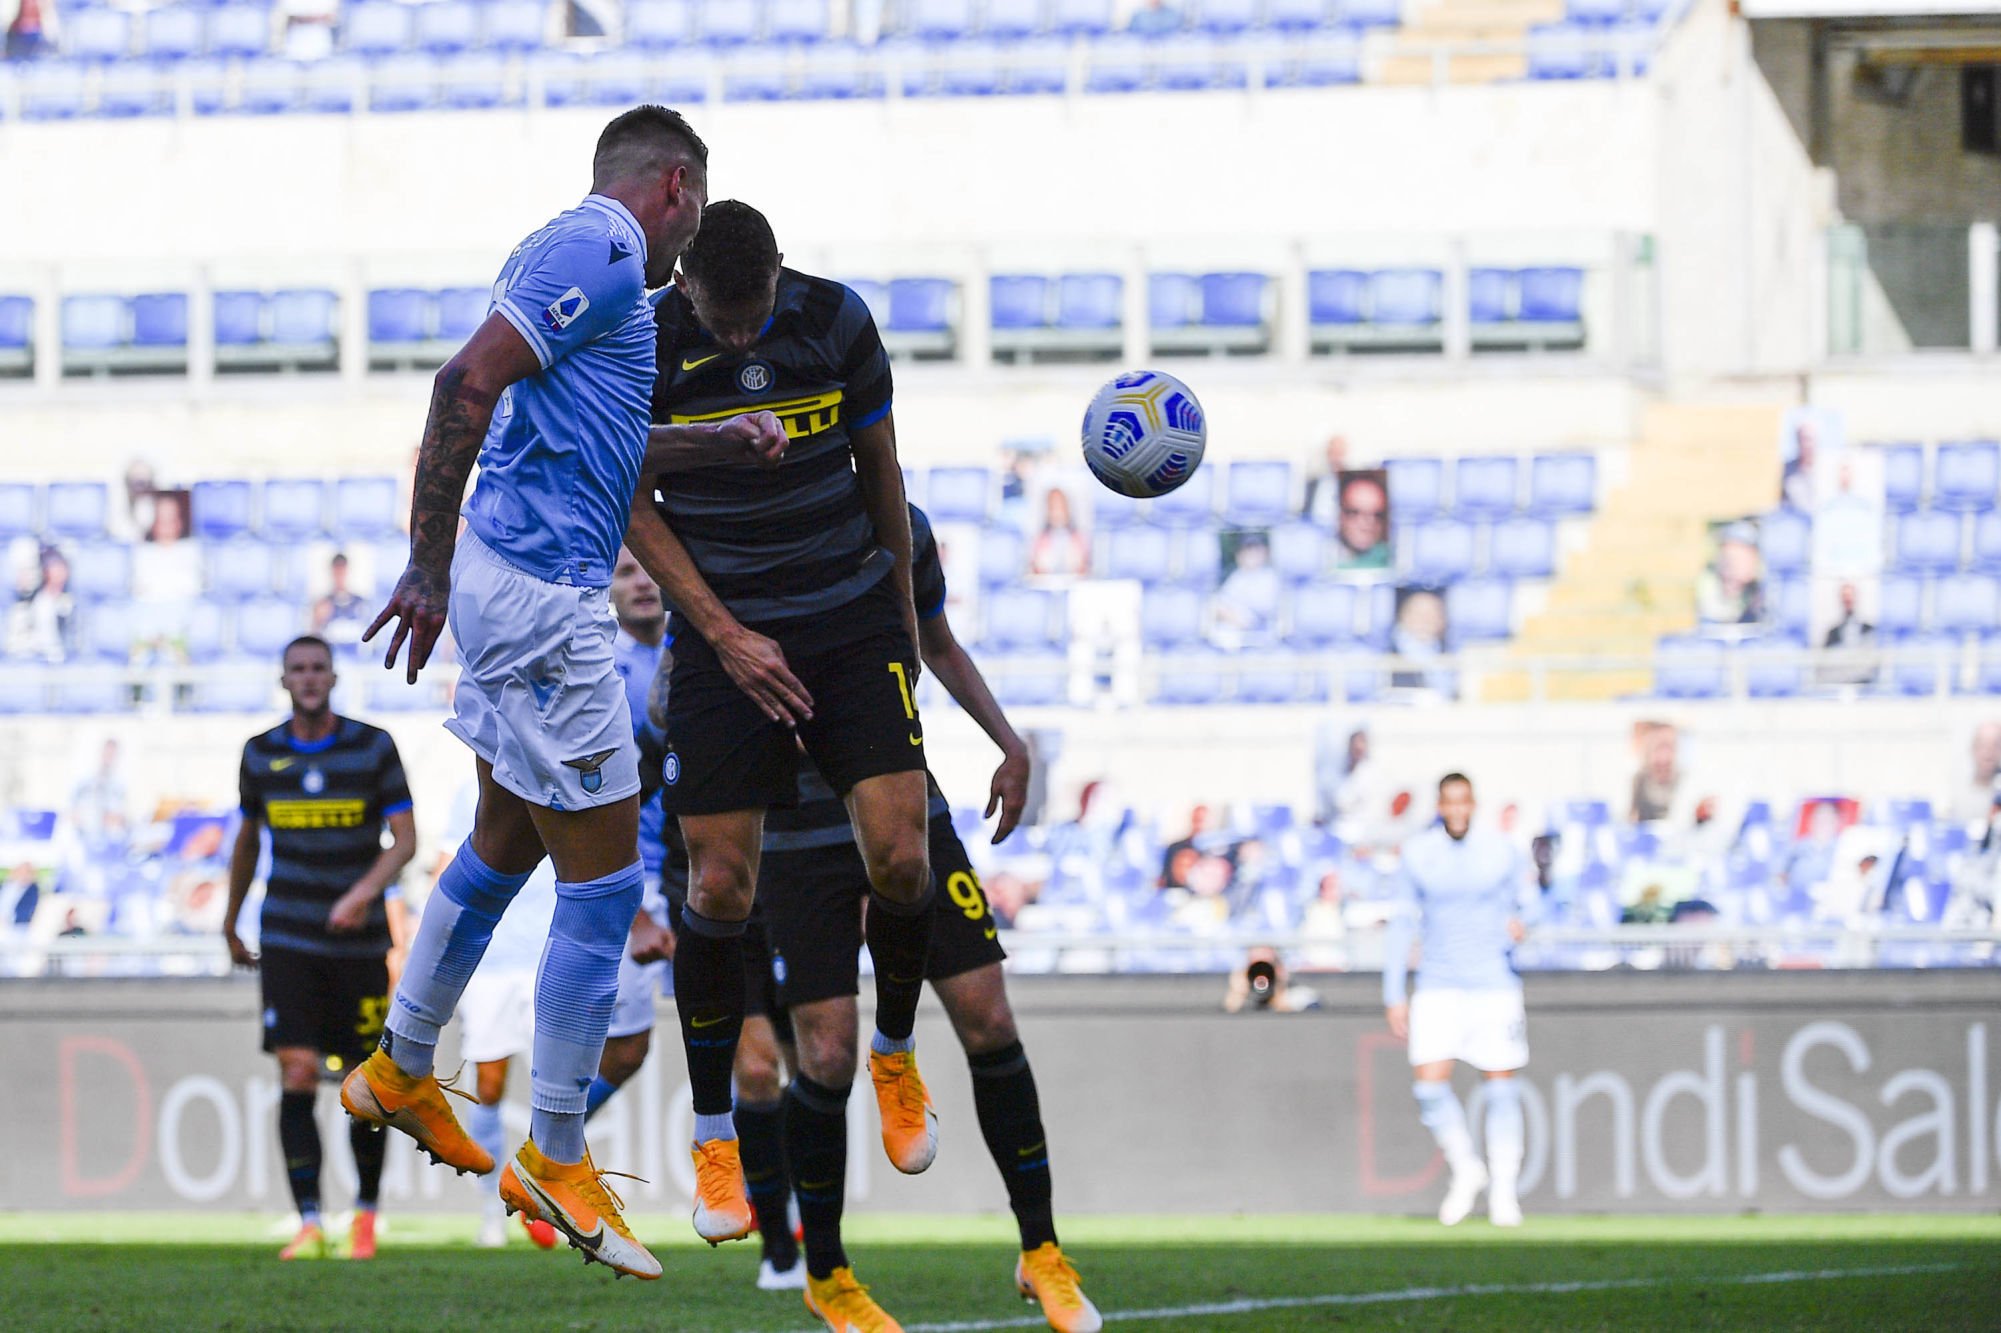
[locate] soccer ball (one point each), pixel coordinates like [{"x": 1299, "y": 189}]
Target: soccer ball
[{"x": 1144, "y": 434}]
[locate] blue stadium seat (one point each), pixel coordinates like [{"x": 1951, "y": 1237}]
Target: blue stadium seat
[
  {"x": 1022, "y": 618},
  {"x": 1191, "y": 503},
  {"x": 172, "y": 33},
  {"x": 1258, "y": 493},
  {"x": 98, "y": 34},
  {"x": 1602, "y": 13},
  {"x": 104, "y": 631},
  {"x": 220, "y": 509},
  {"x": 376, "y": 27},
  {"x": 77, "y": 509},
  {"x": 1490, "y": 295},
  {"x": 1689, "y": 668},
  {"x": 875, "y": 295},
  {"x": 1038, "y": 680},
  {"x": 1551, "y": 295},
  {"x": 202, "y": 633},
  {"x": 1018, "y": 300},
  {"x": 239, "y": 32},
  {"x": 399, "y": 315},
  {"x": 445, "y": 27},
  {"x": 23, "y": 690},
  {"x": 1479, "y": 610},
  {"x": 1417, "y": 488},
  {"x": 100, "y": 571},
  {"x": 519, "y": 25},
  {"x": 1080, "y": 18},
  {"x": 1769, "y": 677},
  {"x": 938, "y": 20},
  {"x": 1117, "y": 64},
  {"x": 1090, "y": 301},
  {"x": 1927, "y": 542},
  {"x": 1173, "y": 300},
  {"x": 17, "y": 510},
  {"x": 1261, "y": 684},
  {"x": 1329, "y": 62},
  {"x": 1296, "y": 15},
  {"x": 264, "y": 625},
  {"x": 1966, "y": 475},
  {"x": 754, "y": 74},
  {"x": 1193, "y": 62},
  {"x": 1967, "y": 604},
  {"x": 475, "y": 81},
  {"x": 239, "y": 570},
  {"x": 1791, "y": 602},
  {"x": 1171, "y": 617},
  {"x": 653, "y": 25},
  {"x": 95, "y": 322},
  {"x": 794, "y": 21},
  {"x": 1226, "y": 18},
  {"x": 1523, "y": 548},
  {"x": 460, "y": 311},
  {"x": 728, "y": 22},
  {"x": 294, "y": 508},
  {"x": 1786, "y": 540},
  {"x": 160, "y": 319},
  {"x": 1987, "y": 542},
  {"x": 1987, "y": 666},
  {"x": 1337, "y": 296},
  {"x": 1299, "y": 551},
  {"x": 1369, "y": 13},
  {"x": 1324, "y": 614},
  {"x": 246, "y": 687},
  {"x": 407, "y": 82},
  {"x": 1900, "y": 609},
  {"x": 1558, "y": 51},
  {"x": 365, "y": 507},
  {"x": 1234, "y": 300},
  {"x": 1111, "y": 510},
  {"x": 1484, "y": 488},
  {"x": 1003, "y": 555},
  {"x": 959, "y": 494},
  {"x": 90, "y": 692},
  {"x": 303, "y": 317},
  {"x": 1441, "y": 550},
  {"x": 1903, "y": 477},
  {"x": 1194, "y": 683},
  {"x": 920, "y": 305},
  {"x": 17, "y": 323},
  {"x": 1563, "y": 484},
  {"x": 1405, "y": 297},
  {"x": 130, "y": 88},
  {"x": 239, "y": 318},
  {"x": 1142, "y": 552},
  {"x": 838, "y": 70},
  {"x": 51, "y": 90},
  {"x": 1920, "y": 664},
  {"x": 1198, "y": 557}
]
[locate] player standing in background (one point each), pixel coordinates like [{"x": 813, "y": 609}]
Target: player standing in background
[
  {"x": 806, "y": 570},
  {"x": 1460, "y": 894},
  {"x": 325, "y": 786},
  {"x": 811, "y": 886},
  {"x": 550, "y": 395}
]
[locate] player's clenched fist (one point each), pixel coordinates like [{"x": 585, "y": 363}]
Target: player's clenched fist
[{"x": 761, "y": 434}]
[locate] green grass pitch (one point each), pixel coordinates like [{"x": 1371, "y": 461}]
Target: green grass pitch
[{"x": 1179, "y": 1275}]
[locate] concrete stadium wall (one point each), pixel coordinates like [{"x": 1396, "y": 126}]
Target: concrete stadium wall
[{"x": 1695, "y": 1093}]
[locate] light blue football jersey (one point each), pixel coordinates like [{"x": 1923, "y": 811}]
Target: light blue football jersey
[
  {"x": 1456, "y": 898},
  {"x": 561, "y": 461}
]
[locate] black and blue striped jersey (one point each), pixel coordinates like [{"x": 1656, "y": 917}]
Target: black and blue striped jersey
[
  {"x": 793, "y": 541},
  {"x": 325, "y": 803}
]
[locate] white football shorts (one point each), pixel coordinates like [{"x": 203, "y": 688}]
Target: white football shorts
[
  {"x": 538, "y": 696},
  {"x": 497, "y": 1015},
  {"x": 1486, "y": 1029}
]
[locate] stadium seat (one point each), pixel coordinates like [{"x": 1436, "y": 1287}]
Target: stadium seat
[
  {"x": 1257, "y": 493},
  {"x": 1966, "y": 604},
  {"x": 51, "y": 90},
  {"x": 244, "y": 687},
  {"x": 23, "y": 690},
  {"x": 1903, "y": 477},
  {"x": 515, "y": 26},
  {"x": 460, "y": 311},
  {"x": 1032, "y": 680},
  {"x": 1142, "y": 552},
  {"x": 1919, "y": 665},
  {"x": 1234, "y": 300},
  {"x": 90, "y": 692},
  {"x": 1561, "y": 485},
  {"x": 1003, "y": 555},
  {"x": 1079, "y": 18},
  {"x": 1193, "y": 62},
  {"x": 399, "y": 315},
  {"x": 795, "y": 21},
  {"x": 240, "y": 32},
  {"x": 239, "y": 318},
  {"x": 238, "y": 570},
  {"x": 1198, "y": 557},
  {"x": 221, "y": 509},
  {"x": 303, "y": 318},
  {"x": 17, "y": 510},
  {"x": 1190, "y": 504},
  {"x": 1296, "y": 15},
  {"x": 1173, "y": 300},
  {"x": 173, "y": 32},
  {"x": 1196, "y": 680},
  {"x": 77, "y": 509},
  {"x": 365, "y": 507},
  {"x": 1441, "y": 550},
  {"x": 728, "y": 22},
  {"x": 376, "y": 27},
  {"x": 1490, "y": 295},
  {"x": 294, "y": 508},
  {"x": 1117, "y": 64},
  {"x": 201, "y": 633},
  {"x": 1690, "y": 668},
  {"x": 1791, "y": 603},
  {"x": 1021, "y": 618},
  {"x": 404, "y": 82},
  {"x": 1417, "y": 488},
  {"x": 1090, "y": 301},
  {"x": 1479, "y": 610},
  {"x": 654, "y": 25},
  {"x": 1259, "y": 683},
  {"x": 160, "y": 319},
  {"x": 920, "y": 305},
  {"x": 1602, "y": 13},
  {"x": 1110, "y": 510},
  {"x": 17, "y": 331},
  {"x": 1987, "y": 542},
  {"x": 1522, "y": 548},
  {"x": 1405, "y": 297},
  {"x": 1324, "y": 614},
  {"x": 1171, "y": 617},
  {"x": 1018, "y": 301},
  {"x": 1551, "y": 295},
  {"x": 1927, "y": 542},
  {"x": 264, "y": 625},
  {"x": 98, "y": 35},
  {"x": 1227, "y": 18},
  {"x": 1987, "y": 667},
  {"x": 1369, "y": 13},
  {"x": 1786, "y": 540},
  {"x": 445, "y": 27},
  {"x": 100, "y": 571},
  {"x": 959, "y": 494},
  {"x": 1768, "y": 674},
  {"x": 1966, "y": 475},
  {"x": 1484, "y": 488},
  {"x": 1337, "y": 296},
  {"x": 1559, "y": 51},
  {"x": 1900, "y": 607},
  {"x": 1299, "y": 551},
  {"x": 938, "y": 20},
  {"x": 95, "y": 322}
]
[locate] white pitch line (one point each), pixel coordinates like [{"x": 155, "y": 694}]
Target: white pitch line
[{"x": 1252, "y": 1305}]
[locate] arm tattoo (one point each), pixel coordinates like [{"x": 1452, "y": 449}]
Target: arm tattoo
[{"x": 460, "y": 415}]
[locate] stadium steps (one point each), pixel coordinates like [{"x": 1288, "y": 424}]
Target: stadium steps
[
  {"x": 1634, "y": 579},
  {"x": 1465, "y": 23}
]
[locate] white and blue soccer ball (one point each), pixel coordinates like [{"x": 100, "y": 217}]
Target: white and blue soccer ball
[{"x": 1144, "y": 434}]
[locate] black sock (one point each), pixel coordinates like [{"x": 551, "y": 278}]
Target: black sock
[
  {"x": 760, "y": 1138},
  {"x": 708, "y": 992},
  {"x": 816, "y": 1148},
  {"x": 899, "y": 940},
  {"x": 1011, "y": 1121},
  {"x": 370, "y": 1144},
  {"x": 299, "y": 1139}
]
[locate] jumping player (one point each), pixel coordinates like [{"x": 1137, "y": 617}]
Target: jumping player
[
  {"x": 325, "y": 786},
  {"x": 1460, "y": 895},
  {"x": 550, "y": 395},
  {"x": 806, "y": 570},
  {"x": 811, "y": 886}
]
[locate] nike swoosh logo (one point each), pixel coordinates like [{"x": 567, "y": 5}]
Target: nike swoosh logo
[
  {"x": 916, "y": 739},
  {"x": 708, "y": 1022},
  {"x": 1028, "y": 1152},
  {"x": 993, "y": 932},
  {"x": 280, "y": 765},
  {"x": 697, "y": 362}
]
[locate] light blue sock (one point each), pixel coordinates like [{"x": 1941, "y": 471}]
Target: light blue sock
[
  {"x": 1504, "y": 1131},
  {"x": 484, "y": 1124},
  {"x": 451, "y": 938},
  {"x": 882, "y": 1045},
  {"x": 574, "y": 997},
  {"x": 709, "y": 1128},
  {"x": 600, "y": 1092},
  {"x": 1439, "y": 1109}
]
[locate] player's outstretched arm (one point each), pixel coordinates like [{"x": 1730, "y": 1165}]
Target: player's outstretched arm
[
  {"x": 242, "y": 868},
  {"x": 350, "y": 910},
  {"x": 960, "y": 675},
  {"x": 754, "y": 437},
  {"x": 881, "y": 477},
  {"x": 754, "y": 662},
  {"x": 462, "y": 401}
]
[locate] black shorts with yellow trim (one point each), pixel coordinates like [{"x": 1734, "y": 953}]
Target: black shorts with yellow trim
[
  {"x": 332, "y": 1005},
  {"x": 812, "y": 899}
]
